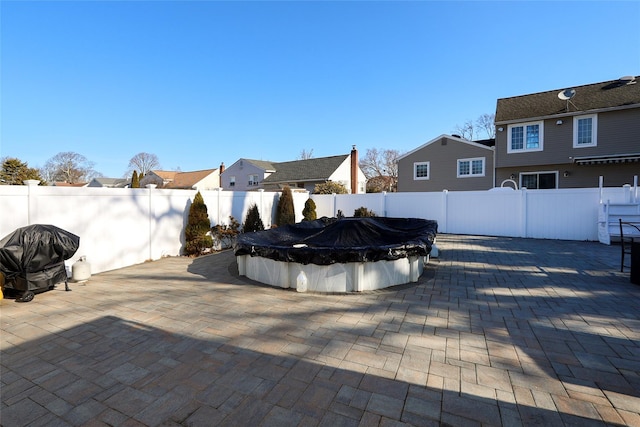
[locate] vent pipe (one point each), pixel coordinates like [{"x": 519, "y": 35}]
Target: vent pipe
[{"x": 354, "y": 170}]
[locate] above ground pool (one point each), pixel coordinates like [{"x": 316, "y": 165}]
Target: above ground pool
[{"x": 338, "y": 255}]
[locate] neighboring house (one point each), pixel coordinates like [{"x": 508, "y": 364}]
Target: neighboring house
[
  {"x": 208, "y": 179},
  {"x": 247, "y": 174},
  {"x": 109, "y": 182},
  {"x": 66, "y": 184},
  {"x": 447, "y": 163},
  {"x": 567, "y": 138}
]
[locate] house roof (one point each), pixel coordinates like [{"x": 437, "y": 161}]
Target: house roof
[
  {"x": 262, "y": 164},
  {"x": 319, "y": 169},
  {"x": 167, "y": 175},
  {"x": 605, "y": 95},
  {"x": 66, "y": 184},
  {"x": 186, "y": 180},
  {"x": 111, "y": 182},
  {"x": 485, "y": 143}
]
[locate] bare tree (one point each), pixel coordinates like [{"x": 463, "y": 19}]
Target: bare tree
[
  {"x": 465, "y": 131},
  {"x": 380, "y": 166},
  {"x": 483, "y": 125},
  {"x": 143, "y": 163},
  {"x": 305, "y": 155},
  {"x": 486, "y": 123},
  {"x": 68, "y": 167}
]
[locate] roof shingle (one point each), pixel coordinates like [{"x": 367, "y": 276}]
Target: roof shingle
[
  {"x": 306, "y": 170},
  {"x": 609, "y": 94}
]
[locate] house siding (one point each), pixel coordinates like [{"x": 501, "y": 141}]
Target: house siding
[
  {"x": 343, "y": 175},
  {"x": 618, "y": 132},
  {"x": 443, "y": 155},
  {"x": 241, "y": 170},
  {"x": 579, "y": 176}
]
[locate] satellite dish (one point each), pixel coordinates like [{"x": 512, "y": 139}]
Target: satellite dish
[
  {"x": 629, "y": 80},
  {"x": 567, "y": 94}
]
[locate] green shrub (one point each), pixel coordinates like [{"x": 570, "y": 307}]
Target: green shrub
[
  {"x": 135, "y": 180},
  {"x": 197, "y": 234},
  {"x": 252, "y": 222},
  {"x": 363, "y": 212},
  {"x": 330, "y": 187},
  {"x": 285, "y": 213},
  {"x": 224, "y": 234},
  {"x": 309, "y": 211}
]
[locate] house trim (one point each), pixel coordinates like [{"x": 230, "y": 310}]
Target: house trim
[
  {"x": 568, "y": 114},
  {"x": 471, "y": 174},
  {"x": 421, "y": 178},
  {"x": 554, "y": 172},
  {"x": 594, "y": 130},
  {"x": 524, "y": 149},
  {"x": 452, "y": 138}
]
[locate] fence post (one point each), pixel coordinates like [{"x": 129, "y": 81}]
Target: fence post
[
  {"x": 601, "y": 185},
  {"x": 384, "y": 203},
  {"x": 31, "y": 185},
  {"x": 260, "y": 209},
  {"x": 445, "y": 209},
  {"x": 219, "y": 190},
  {"x": 335, "y": 213},
  {"x": 523, "y": 212},
  {"x": 151, "y": 218}
]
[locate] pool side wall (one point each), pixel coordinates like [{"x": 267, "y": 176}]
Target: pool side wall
[{"x": 340, "y": 277}]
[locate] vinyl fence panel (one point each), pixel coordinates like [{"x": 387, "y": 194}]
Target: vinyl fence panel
[{"x": 120, "y": 227}]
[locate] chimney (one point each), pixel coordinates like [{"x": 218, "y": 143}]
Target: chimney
[
  {"x": 221, "y": 168},
  {"x": 354, "y": 170}
]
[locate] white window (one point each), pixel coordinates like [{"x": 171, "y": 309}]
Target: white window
[
  {"x": 253, "y": 180},
  {"x": 470, "y": 167},
  {"x": 232, "y": 181},
  {"x": 421, "y": 170},
  {"x": 585, "y": 130},
  {"x": 525, "y": 137},
  {"x": 539, "y": 180}
]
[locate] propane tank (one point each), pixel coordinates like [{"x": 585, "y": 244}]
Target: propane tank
[
  {"x": 81, "y": 270},
  {"x": 301, "y": 282}
]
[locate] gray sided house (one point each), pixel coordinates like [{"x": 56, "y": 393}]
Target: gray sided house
[
  {"x": 109, "y": 182},
  {"x": 568, "y": 138},
  {"x": 247, "y": 174},
  {"x": 447, "y": 163}
]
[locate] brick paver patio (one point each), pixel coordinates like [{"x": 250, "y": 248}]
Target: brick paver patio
[{"x": 498, "y": 331}]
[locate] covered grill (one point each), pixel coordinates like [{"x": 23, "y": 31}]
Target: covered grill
[{"x": 32, "y": 259}]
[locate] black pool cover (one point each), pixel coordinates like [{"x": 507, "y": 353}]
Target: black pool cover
[
  {"x": 328, "y": 240},
  {"x": 32, "y": 258}
]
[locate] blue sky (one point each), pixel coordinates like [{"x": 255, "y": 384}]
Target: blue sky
[{"x": 203, "y": 82}]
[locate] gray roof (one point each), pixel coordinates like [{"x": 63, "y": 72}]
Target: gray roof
[
  {"x": 609, "y": 94},
  {"x": 319, "y": 169},
  {"x": 262, "y": 164},
  {"x": 109, "y": 182}
]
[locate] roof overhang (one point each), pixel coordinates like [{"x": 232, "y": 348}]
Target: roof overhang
[
  {"x": 566, "y": 114},
  {"x": 600, "y": 160}
]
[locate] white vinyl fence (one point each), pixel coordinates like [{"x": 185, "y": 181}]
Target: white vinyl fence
[
  {"x": 119, "y": 227},
  {"x": 568, "y": 214}
]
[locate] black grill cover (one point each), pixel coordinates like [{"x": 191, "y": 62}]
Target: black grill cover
[
  {"x": 32, "y": 258},
  {"x": 328, "y": 240}
]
